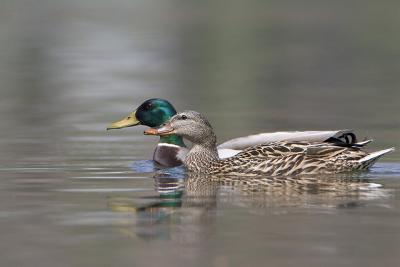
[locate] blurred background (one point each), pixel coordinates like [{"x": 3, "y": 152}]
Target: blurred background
[{"x": 69, "y": 68}]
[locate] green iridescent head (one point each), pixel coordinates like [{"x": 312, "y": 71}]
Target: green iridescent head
[{"x": 153, "y": 113}]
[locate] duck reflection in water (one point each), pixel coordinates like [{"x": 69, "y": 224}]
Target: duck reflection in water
[{"x": 186, "y": 205}]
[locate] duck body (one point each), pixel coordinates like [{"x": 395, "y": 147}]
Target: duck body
[
  {"x": 284, "y": 158},
  {"x": 171, "y": 150},
  {"x": 276, "y": 158},
  {"x": 166, "y": 154}
]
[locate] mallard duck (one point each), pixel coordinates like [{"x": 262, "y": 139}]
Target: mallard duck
[
  {"x": 171, "y": 150},
  {"x": 277, "y": 158}
]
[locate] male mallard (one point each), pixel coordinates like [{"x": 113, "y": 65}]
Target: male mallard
[
  {"x": 171, "y": 150},
  {"x": 277, "y": 158}
]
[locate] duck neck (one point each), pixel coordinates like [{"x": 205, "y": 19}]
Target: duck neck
[
  {"x": 172, "y": 139},
  {"x": 201, "y": 158},
  {"x": 206, "y": 151}
]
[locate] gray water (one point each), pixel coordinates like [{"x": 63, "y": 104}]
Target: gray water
[{"x": 72, "y": 194}]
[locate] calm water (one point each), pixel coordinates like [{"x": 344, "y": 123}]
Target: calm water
[{"x": 73, "y": 194}]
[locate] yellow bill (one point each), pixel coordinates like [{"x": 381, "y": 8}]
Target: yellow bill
[{"x": 129, "y": 121}]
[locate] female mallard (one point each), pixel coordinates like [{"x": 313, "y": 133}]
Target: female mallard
[
  {"x": 278, "y": 158},
  {"x": 171, "y": 150}
]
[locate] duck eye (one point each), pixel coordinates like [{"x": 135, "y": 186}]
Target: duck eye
[{"x": 183, "y": 117}]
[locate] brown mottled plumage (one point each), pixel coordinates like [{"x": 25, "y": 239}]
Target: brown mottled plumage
[
  {"x": 285, "y": 158},
  {"x": 278, "y": 158}
]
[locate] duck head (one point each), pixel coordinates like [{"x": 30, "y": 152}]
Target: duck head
[
  {"x": 153, "y": 113},
  {"x": 189, "y": 124}
]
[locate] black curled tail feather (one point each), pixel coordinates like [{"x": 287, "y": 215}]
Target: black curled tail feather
[
  {"x": 347, "y": 139},
  {"x": 339, "y": 142}
]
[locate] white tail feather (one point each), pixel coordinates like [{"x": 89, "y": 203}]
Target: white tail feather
[{"x": 376, "y": 155}]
